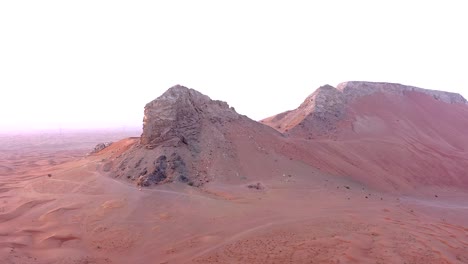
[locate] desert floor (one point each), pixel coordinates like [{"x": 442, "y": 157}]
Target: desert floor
[{"x": 57, "y": 207}]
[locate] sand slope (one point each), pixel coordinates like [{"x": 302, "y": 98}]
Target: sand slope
[
  {"x": 395, "y": 141},
  {"x": 300, "y": 215}
]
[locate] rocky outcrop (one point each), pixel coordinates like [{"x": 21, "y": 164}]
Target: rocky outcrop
[
  {"x": 100, "y": 147},
  {"x": 384, "y": 135},
  {"x": 177, "y": 116},
  {"x": 321, "y": 112},
  {"x": 164, "y": 169},
  {"x": 322, "y": 109},
  {"x": 181, "y": 130},
  {"x": 356, "y": 89}
]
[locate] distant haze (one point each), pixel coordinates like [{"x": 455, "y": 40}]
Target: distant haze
[{"x": 95, "y": 64}]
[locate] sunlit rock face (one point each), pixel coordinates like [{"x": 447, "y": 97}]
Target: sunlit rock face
[
  {"x": 177, "y": 116},
  {"x": 182, "y": 132}
]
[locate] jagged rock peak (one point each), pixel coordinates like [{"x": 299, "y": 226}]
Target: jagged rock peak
[
  {"x": 325, "y": 101},
  {"x": 179, "y": 113},
  {"x": 178, "y": 90},
  {"x": 179, "y": 93},
  {"x": 355, "y": 89}
]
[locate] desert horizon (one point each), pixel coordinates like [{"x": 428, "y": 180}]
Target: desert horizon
[
  {"x": 256, "y": 132},
  {"x": 361, "y": 173}
]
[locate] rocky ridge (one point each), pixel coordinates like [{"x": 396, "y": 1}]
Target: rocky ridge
[
  {"x": 189, "y": 138},
  {"x": 321, "y": 111},
  {"x": 355, "y": 89}
]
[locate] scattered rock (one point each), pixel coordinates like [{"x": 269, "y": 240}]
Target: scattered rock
[
  {"x": 100, "y": 147},
  {"x": 257, "y": 186},
  {"x": 158, "y": 175}
]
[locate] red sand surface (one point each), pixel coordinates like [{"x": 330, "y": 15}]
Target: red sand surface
[
  {"x": 381, "y": 180},
  {"x": 307, "y": 209}
]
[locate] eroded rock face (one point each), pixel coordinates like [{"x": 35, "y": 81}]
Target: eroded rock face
[
  {"x": 165, "y": 169},
  {"x": 355, "y": 89},
  {"x": 181, "y": 130},
  {"x": 177, "y": 116},
  {"x": 321, "y": 112},
  {"x": 323, "y": 109}
]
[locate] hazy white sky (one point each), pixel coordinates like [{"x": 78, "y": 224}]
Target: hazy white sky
[{"x": 97, "y": 63}]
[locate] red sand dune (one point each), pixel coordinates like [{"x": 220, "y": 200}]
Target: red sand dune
[
  {"x": 377, "y": 178},
  {"x": 389, "y": 140}
]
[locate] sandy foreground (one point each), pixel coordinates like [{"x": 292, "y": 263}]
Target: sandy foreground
[{"x": 57, "y": 206}]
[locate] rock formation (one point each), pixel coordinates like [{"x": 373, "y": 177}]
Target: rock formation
[
  {"x": 386, "y": 136},
  {"x": 389, "y": 136},
  {"x": 354, "y": 90},
  {"x": 177, "y": 116},
  {"x": 180, "y": 129},
  {"x": 321, "y": 112},
  {"x": 100, "y": 147}
]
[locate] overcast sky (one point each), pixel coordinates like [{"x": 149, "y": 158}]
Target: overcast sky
[{"x": 97, "y": 63}]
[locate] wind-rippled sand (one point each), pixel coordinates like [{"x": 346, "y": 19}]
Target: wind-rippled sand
[{"x": 79, "y": 215}]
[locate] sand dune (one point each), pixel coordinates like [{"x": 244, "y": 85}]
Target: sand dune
[{"x": 302, "y": 218}]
